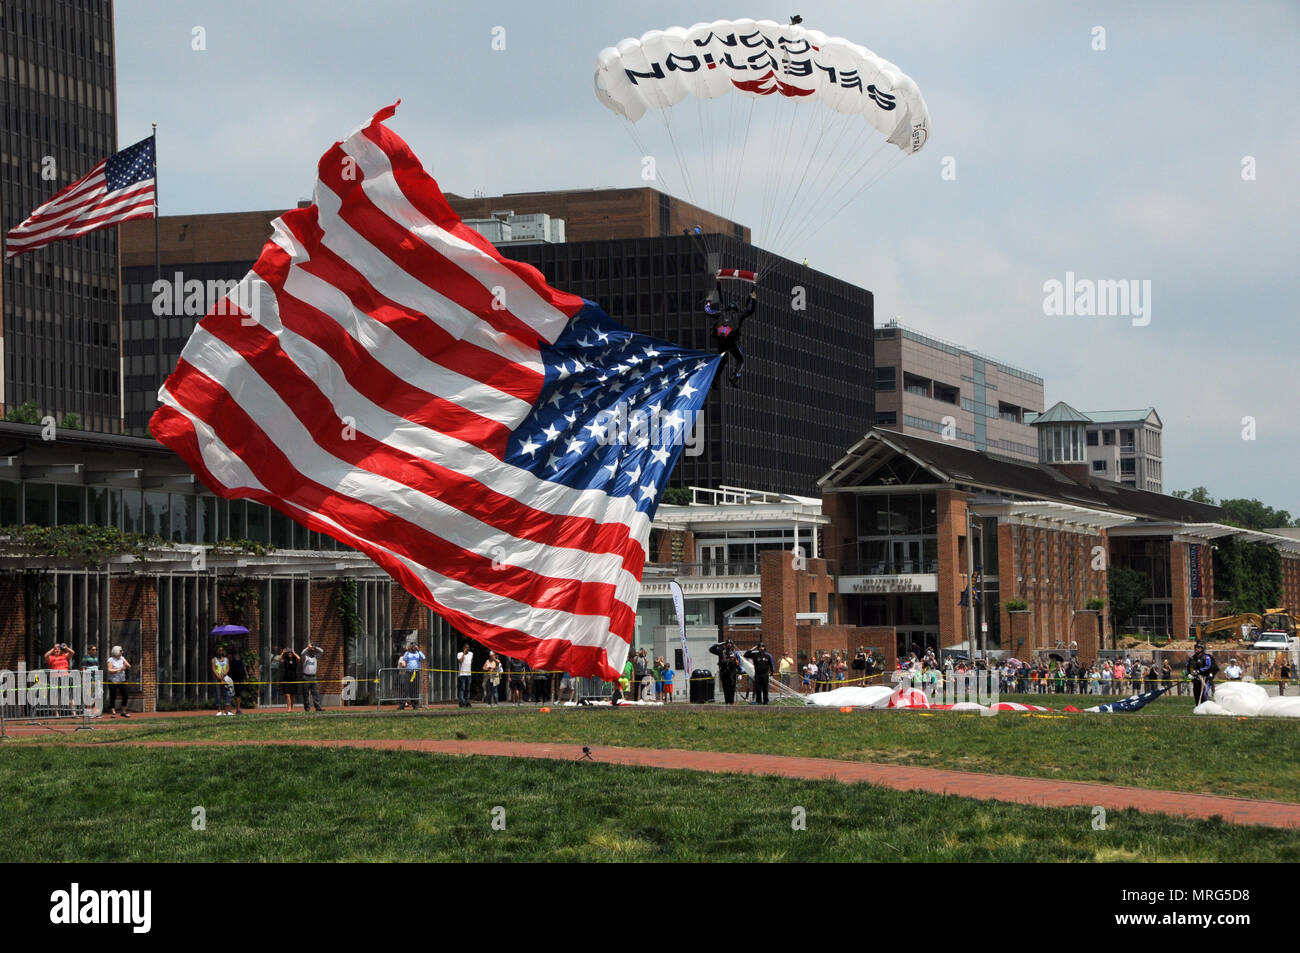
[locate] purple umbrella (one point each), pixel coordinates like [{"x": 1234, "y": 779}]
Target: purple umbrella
[{"x": 230, "y": 630}]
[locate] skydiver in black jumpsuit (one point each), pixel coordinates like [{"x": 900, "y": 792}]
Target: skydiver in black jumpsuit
[{"x": 726, "y": 333}]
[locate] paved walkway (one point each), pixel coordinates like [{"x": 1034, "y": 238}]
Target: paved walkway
[{"x": 1039, "y": 792}]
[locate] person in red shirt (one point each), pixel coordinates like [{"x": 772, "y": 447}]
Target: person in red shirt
[{"x": 59, "y": 658}]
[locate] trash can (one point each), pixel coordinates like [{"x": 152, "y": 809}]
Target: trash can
[{"x": 701, "y": 686}]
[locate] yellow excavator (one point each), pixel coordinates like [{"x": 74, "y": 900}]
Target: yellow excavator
[
  {"x": 1229, "y": 626},
  {"x": 1279, "y": 620},
  {"x": 1226, "y": 627}
]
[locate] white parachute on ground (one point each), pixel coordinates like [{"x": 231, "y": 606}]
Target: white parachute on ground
[
  {"x": 852, "y": 696},
  {"x": 797, "y": 122},
  {"x": 1249, "y": 700}
]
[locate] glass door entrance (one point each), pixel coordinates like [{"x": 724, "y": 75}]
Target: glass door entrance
[{"x": 713, "y": 559}]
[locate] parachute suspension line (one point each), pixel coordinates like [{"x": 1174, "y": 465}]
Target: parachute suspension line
[
  {"x": 775, "y": 167},
  {"x": 851, "y": 155},
  {"x": 795, "y": 153},
  {"x": 819, "y": 159},
  {"x": 663, "y": 181},
  {"x": 847, "y": 183},
  {"x": 783, "y": 203},
  {"x": 888, "y": 168},
  {"x": 708, "y": 201},
  {"x": 740, "y": 163},
  {"x": 821, "y": 208},
  {"x": 845, "y": 148},
  {"x": 692, "y": 195}
]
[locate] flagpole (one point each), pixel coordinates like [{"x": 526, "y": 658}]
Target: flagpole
[{"x": 157, "y": 259}]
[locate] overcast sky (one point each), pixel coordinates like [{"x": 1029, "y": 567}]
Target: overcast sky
[{"x": 1122, "y": 163}]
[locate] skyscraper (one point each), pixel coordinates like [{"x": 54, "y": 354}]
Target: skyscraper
[{"x": 58, "y": 109}]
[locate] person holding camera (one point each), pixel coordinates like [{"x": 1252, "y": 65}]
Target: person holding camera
[
  {"x": 311, "y": 676},
  {"x": 728, "y": 668}
]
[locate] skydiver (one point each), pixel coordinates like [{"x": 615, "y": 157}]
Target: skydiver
[{"x": 726, "y": 333}]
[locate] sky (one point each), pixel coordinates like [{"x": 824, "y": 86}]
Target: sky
[{"x": 1170, "y": 156}]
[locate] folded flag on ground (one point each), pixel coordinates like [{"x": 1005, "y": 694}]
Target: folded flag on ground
[{"x": 1133, "y": 702}]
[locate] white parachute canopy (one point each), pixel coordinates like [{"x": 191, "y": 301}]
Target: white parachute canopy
[
  {"x": 1249, "y": 700},
  {"x": 787, "y": 121}
]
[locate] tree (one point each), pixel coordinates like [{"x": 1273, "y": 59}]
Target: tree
[
  {"x": 1252, "y": 514},
  {"x": 1198, "y": 495},
  {"x": 28, "y": 413},
  {"x": 1248, "y": 575},
  {"x": 676, "y": 496},
  {"x": 1127, "y": 588},
  {"x": 70, "y": 421}
]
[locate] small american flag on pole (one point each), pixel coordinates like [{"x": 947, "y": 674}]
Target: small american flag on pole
[
  {"x": 385, "y": 376},
  {"x": 119, "y": 189}
]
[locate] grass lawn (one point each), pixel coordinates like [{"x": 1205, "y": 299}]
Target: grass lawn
[
  {"x": 1163, "y": 746},
  {"x": 301, "y": 804}
]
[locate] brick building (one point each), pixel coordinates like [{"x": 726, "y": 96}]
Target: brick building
[
  {"x": 913, "y": 520},
  {"x": 217, "y": 562}
]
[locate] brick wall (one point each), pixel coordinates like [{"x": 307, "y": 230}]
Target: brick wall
[
  {"x": 951, "y": 513},
  {"x": 1180, "y": 588},
  {"x": 136, "y": 597},
  {"x": 675, "y": 546},
  {"x": 1087, "y": 633},
  {"x": 1052, "y": 570},
  {"x": 787, "y": 591},
  {"x": 13, "y": 622}
]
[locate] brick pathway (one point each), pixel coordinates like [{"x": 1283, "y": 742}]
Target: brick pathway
[{"x": 1039, "y": 792}]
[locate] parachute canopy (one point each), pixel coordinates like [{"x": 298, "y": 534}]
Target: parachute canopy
[
  {"x": 781, "y": 123},
  {"x": 762, "y": 58}
]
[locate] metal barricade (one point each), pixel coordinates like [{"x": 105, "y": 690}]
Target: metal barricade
[
  {"x": 37, "y": 696},
  {"x": 403, "y": 686}
]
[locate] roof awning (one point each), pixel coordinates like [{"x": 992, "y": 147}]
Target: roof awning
[
  {"x": 1205, "y": 532},
  {"x": 1049, "y": 511}
]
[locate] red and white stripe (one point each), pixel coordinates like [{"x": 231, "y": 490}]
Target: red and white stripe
[
  {"x": 365, "y": 385},
  {"x": 84, "y": 206}
]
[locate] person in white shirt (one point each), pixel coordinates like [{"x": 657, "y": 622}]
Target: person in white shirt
[
  {"x": 117, "y": 690},
  {"x": 465, "y": 676},
  {"x": 308, "y": 672},
  {"x": 1233, "y": 671}
]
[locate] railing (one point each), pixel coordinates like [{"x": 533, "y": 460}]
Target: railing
[{"x": 736, "y": 567}]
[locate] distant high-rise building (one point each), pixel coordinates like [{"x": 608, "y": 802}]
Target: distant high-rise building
[
  {"x": 1123, "y": 446},
  {"x": 58, "y": 118},
  {"x": 921, "y": 380}
]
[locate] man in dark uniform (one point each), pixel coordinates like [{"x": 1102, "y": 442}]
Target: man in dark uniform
[
  {"x": 1202, "y": 667},
  {"x": 728, "y": 668},
  {"x": 764, "y": 665}
]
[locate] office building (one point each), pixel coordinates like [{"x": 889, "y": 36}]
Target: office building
[
  {"x": 928, "y": 387},
  {"x": 58, "y": 118}
]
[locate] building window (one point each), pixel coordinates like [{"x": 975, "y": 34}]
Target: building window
[
  {"x": 1092, "y": 438},
  {"x": 1099, "y": 466},
  {"x": 1128, "y": 467},
  {"x": 886, "y": 378},
  {"x": 887, "y": 419},
  {"x": 1108, "y": 438}
]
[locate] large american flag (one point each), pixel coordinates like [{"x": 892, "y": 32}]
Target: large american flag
[
  {"x": 388, "y": 378},
  {"x": 119, "y": 189}
]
